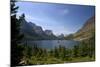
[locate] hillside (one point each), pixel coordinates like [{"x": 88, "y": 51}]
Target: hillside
[{"x": 87, "y": 30}]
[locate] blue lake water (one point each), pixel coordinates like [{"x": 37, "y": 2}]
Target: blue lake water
[{"x": 50, "y": 44}]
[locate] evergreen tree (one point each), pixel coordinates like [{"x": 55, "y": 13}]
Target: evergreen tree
[
  {"x": 84, "y": 49},
  {"x": 76, "y": 51},
  {"x": 16, "y": 50},
  {"x": 51, "y": 53},
  {"x": 56, "y": 53},
  {"x": 63, "y": 52}
]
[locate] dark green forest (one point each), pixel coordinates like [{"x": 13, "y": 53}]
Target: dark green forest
[{"x": 22, "y": 54}]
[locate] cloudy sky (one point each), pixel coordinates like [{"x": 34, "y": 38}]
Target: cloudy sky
[{"x": 60, "y": 18}]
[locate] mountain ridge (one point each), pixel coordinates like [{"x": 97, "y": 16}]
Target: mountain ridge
[
  {"x": 87, "y": 30},
  {"x": 32, "y": 31}
]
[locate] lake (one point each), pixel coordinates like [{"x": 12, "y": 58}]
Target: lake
[{"x": 50, "y": 44}]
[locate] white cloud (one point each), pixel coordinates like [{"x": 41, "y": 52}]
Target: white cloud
[{"x": 63, "y": 12}]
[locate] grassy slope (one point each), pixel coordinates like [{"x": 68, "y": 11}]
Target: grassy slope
[{"x": 53, "y": 60}]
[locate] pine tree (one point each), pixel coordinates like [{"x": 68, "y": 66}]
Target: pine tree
[
  {"x": 56, "y": 53},
  {"x": 16, "y": 50},
  {"x": 76, "y": 51}
]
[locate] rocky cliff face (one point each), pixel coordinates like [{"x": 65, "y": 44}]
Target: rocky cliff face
[
  {"x": 32, "y": 31},
  {"x": 48, "y": 32},
  {"x": 87, "y": 30}
]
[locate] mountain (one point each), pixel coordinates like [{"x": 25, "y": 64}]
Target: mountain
[
  {"x": 37, "y": 29},
  {"x": 61, "y": 36},
  {"x": 28, "y": 31},
  {"x": 48, "y": 32},
  {"x": 69, "y": 37},
  {"x": 33, "y": 32},
  {"x": 87, "y": 30}
]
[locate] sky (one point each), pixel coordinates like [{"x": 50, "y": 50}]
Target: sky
[{"x": 60, "y": 18}]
